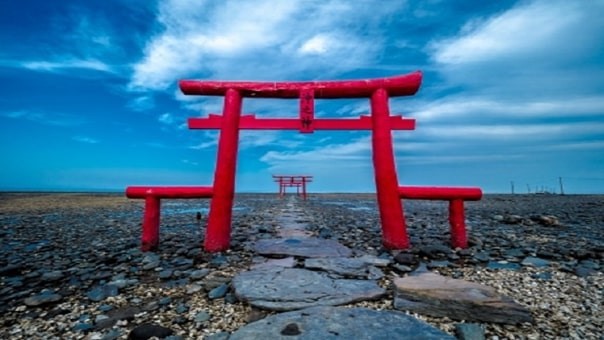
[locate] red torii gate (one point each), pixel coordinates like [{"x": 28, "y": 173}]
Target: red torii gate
[
  {"x": 297, "y": 181},
  {"x": 394, "y": 233}
]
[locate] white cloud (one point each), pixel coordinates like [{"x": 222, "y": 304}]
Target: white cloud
[
  {"x": 67, "y": 64},
  {"x": 86, "y": 140},
  {"x": 142, "y": 103},
  {"x": 457, "y": 106},
  {"x": 319, "y": 44},
  {"x": 44, "y": 118},
  {"x": 259, "y": 40},
  {"x": 166, "y": 118},
  {"x": 530, "y": 30}
]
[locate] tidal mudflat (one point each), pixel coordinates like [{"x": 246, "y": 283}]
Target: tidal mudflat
[{"x": 71, "y": 267}]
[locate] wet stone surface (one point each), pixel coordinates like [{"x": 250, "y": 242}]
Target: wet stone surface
[
  {"x": 283, "y": 289},
  {"x": 303, "y": 247},
  {"x": 339, "y": 323}
]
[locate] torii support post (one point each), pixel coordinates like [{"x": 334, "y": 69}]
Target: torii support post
[
  {"x": 218, "y": 233},
  {"x": 394, "y": 231},
  {"x": 152, "y": 214},
  {"x": 456, "y": 197}
]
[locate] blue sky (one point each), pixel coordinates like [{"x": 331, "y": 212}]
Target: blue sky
[{"x": 513, "y": 91}]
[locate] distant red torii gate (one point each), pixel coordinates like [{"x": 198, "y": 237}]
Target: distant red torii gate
[
  {"x": 394, "y": 233},
  {"x": 297, "y": 181}
]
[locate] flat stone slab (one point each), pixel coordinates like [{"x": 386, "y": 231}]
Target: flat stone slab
[
  {"x": 432, "y": 294},
  {"x": 303, "y": 247},
  {"x": 345, "y": 266},
  {"x": 339, "y": 323},
  {"x": 285, "y": 289}
]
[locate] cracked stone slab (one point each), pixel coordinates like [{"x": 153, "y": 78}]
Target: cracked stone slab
[
  {"x": 284, "y": 289},
  {"x": 345, "y": 266},
  {"x": 303, "y": 247},
  {"x": 339, "y": 323},
  {"x": 432, "y": 294}
]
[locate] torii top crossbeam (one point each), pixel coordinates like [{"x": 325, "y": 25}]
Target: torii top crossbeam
[{"x": 403, "y": 85}]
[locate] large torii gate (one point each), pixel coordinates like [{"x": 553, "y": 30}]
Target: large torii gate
[{"x": 380, "y": 122}]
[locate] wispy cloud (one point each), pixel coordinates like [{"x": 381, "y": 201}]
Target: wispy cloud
[
  {"x": 264, "y": 39},
  {"x": 44, "y": 118},
  {"x": 68, "y": 64},
  {"x": 84, "y": 139}
]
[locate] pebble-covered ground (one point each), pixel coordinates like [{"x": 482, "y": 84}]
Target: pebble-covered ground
[{"x": 70, "y": 264}]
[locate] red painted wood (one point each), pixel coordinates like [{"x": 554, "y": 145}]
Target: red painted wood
[
  {"x": 250, "y": 122},
  {"x": 440, "y": 193},
  {"x": 292, "y": 181},
  {"x": 403, "y": 85},
  {"x": 457, "y": 222},
  {"x": 151, "y": 217},
  {"x": 394, "y": 231},
  {"x": 218, "y": 233},
  {"x": 456, "y": 197},
  {"x": 168, "y": 192},
  {"x": 307, "y": 110}
]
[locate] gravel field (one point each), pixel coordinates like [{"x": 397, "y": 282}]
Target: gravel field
[{"x": 71, "y": 267}]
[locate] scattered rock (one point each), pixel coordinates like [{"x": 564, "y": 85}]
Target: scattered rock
[
  {"x": 535, "y": 262},
  {"x": 469, "y": 331},
  {"x": 146, "y": 331},
  {"x": 503, "y": 265},
  {"x": 42, "y": 299},
  {"x": 406, "y": 259},
  {"x": 436, "y": 295},
  {"x": 338, "y": 322},
  {"x": 218, "y": 292}
]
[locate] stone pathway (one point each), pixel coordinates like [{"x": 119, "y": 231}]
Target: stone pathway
[{"x": 325, "y": 275}]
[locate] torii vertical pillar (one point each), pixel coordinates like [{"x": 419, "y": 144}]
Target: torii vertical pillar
[
  {"x": 394, "y": 232},
  {"x": 218, "y": 234}
]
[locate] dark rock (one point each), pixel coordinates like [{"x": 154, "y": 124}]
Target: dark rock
[
  {"x": 513, "y": 253},
  {"x": 100, "y": 293},
  {"x": 546, "y": 220},
  {"x": 535, "y": 262},
  {"x": 482, "y": 256},
  {"x": 545, "y": 276},
  {"x": 436, "y": 295},
  {"x": 340, "y": 323},
  {"x": 82, "y": 327},
  {"x": 146, "y": 331},
  {"x": 11, "y": 270},
  {"x": 503, "y": 265},
  {"x": 42, "y": 299},
  {"x": 199, "y": 274},
  {"x": 406, "y": 259},
  {"x": 402, "y": 268},
  {"x": 52, "y": 276},
  {"x": 304, "y": 247},
  {"x": 469, "y": 331},
  {"x": 283, "y": 289},
  {"x": 345, "y": 266},
  {"x": 581, "y": 271},
  {"x": 290, "y": 329},
  {"x": 181, "y": 308},
  {"x": 218, "y": 336},
  {"x": 164, "y": 301},
  {"x": 438, "y": 264},
  {"x": 512, "y": 219},
  {"x": 165, "y": 274},
  {"x": 202, "y": 316},
  {"x": 218, "y": 292},
  {"x": 434, "y": 251}
]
